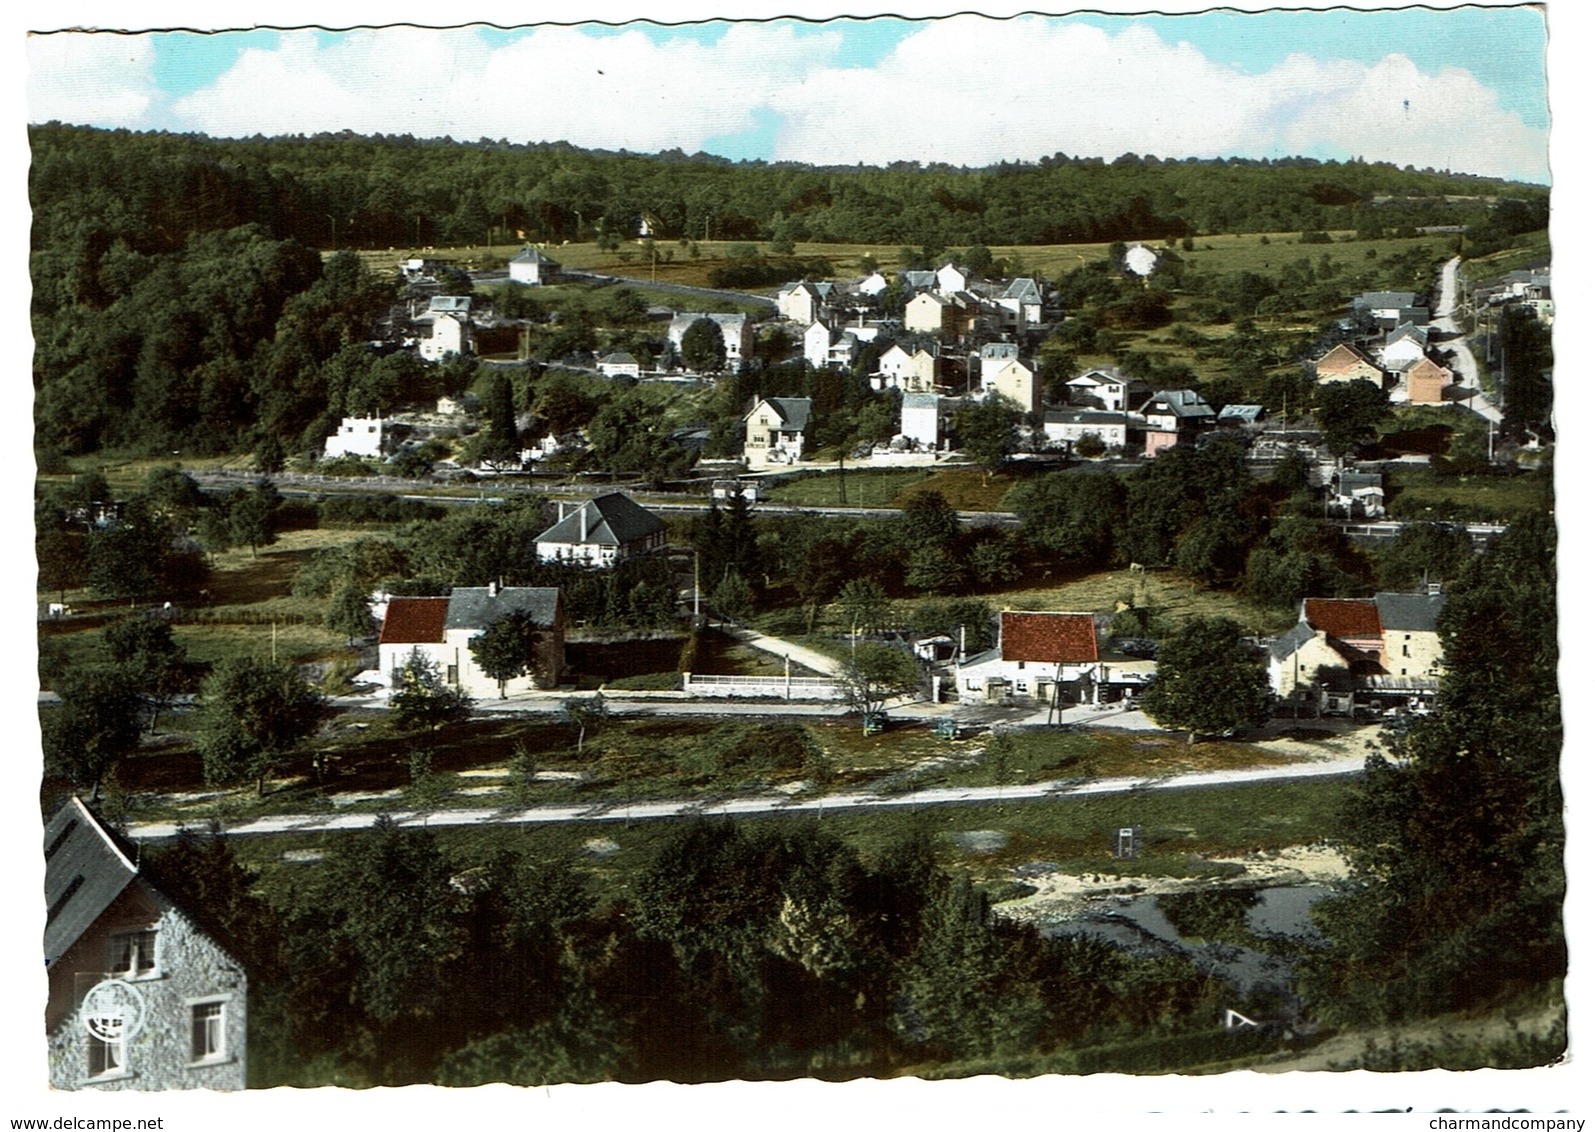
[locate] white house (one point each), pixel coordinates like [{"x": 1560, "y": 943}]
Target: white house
[
  {"x": 1035, "y": 653},
  {"x": 441, "y": 629},
  {"x": 912, "y": 373},
  {"x": 773, "y": 431},
  {"x": 1022, "y": 300},
  {"x": 603, "y": 531},
  {"x": 532, "y": 268},
  {"x": 356, "y": 436},
  {"x": 950, "y": 279},
  {"x": 450, "y": 316},
  {"x": 922, "y": 419},
  {"x": 1404, "y": 347},
  {"x": 1067, "y": 427},
  {"x": 993, "y": 357},
  {"x": 1140, "y": 260},
  {"x": 735, "y": 329},
  {"x": 1107, "y": 387},
  {"x": 799, "y": 302}
]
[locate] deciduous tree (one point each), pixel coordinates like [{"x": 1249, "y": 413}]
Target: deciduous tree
[
  {"x": 1207, "y": 682},
  {"x": 252, "y": 716}
]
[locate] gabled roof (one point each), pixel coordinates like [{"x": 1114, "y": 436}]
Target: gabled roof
[
  {"x": 450, "y": 304},
  {"x": 86, "y": 867},
  {"x": 1049, "y": 638},
  {"x": 1095, "y": 377},
  {"x": 1346, "y": 618},
  {"x": 612, "y": 520},
  {"x": 1340, "y": 359},
  {"x": 529, "y": 254},
  {"x": 1284, "y": 645},
  {"x": 921, "y": 400},
  {"x": 414, "y": 621},
  {"x": 1410, "y": 613},
  {"x": 994, "y": 350},
  {"x": 1182, "y": 403},
  {"x": 793, "y": 411},
  {"x": 1024, "y": 289},
  {"x": 1419, "y": 334},
  {"x": 619, "y": 358},
  {"x": 1424, "y": 367},
  {"x": 917, "y": 278},
  {"x": 477, "y": 607}
]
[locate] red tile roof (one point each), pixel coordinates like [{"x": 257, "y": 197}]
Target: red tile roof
[
  {"x": 414, "y": 621},
  {"x": 1346, "y": 618},
  {"x": 1049, "y": 638}
]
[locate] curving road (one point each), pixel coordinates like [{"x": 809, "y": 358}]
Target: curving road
[{"x": 1464, "y": 366}]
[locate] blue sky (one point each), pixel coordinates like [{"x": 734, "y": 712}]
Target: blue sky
[{"x": 1463, "y": 88}]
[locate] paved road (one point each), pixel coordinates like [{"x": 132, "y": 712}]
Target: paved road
[
  {"x": 1464, "y": 366},
  {"x": 1061, "y": 790}
]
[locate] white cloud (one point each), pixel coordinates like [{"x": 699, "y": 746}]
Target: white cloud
[
  {"x": 103, "y": 78},
  {"x": 614, "y": 91},
  {"x": 966, "y": 90},
  {"x": 974, "y": 91}
]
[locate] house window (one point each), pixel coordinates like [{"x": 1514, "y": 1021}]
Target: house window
[
  {"x": 132, "y": 954},
  {"x": 208, "y": 1041},
  {"x": 107, "y": 1059},
  {"x": 453, "y": 676}
]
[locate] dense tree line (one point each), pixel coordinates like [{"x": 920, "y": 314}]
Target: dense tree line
[
  {"x": 92, "y": 187},
  {"x": 770, "y": 953}
]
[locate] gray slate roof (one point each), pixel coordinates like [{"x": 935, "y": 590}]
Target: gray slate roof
[
  {"x": 1023, "y": 289},
  {"x": 1180, "y": 403},
  {"x": 1409, "y": 613},
  {"x": 530, "y": 254},
  {"x": 1288, "y": 642},
  {"x": 1248, "y": 414},
  {"x": 85, "y": 870},
  {"x": 1381, "y": 299},
  {"x": 793, "y": 411},
  {"x": 450, "y": 304},
  {"x": 477, "y": 607},
  {"x": 999, "y": 350},
  {"x": 612, "y": 520}
]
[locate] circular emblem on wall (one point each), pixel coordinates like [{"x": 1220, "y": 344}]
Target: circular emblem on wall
[{"x": 113, "y": 1011}]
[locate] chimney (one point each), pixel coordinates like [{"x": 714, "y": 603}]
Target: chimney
[
  {"x": 492, "y": 589},
  {"x": 584, "y": 522}
]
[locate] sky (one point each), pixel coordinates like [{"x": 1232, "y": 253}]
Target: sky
[{"x": 1462, "y": 89}]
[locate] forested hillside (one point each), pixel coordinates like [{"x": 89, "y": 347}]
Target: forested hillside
[{"x": 91, "y": 187}]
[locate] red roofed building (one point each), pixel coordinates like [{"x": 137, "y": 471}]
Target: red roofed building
[
  {"x": 1036, "y": 652},
  {"x": 441, "y": 629},
  {"x": 1352, "y": 621}
]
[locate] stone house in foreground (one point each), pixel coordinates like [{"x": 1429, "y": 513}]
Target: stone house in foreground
[{"x": 140, "y": 997}]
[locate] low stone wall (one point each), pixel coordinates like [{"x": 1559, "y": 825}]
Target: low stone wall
[{"x": 757, "y": 687}]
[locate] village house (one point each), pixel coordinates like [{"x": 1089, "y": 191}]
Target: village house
[
  {"x": 1017, "y": 382},
  {"x": 1022, "y": 299},
  {"x": 993, "y": 357},
  {"x": 872, "y": 285},
  {"x": 1035, "y": 652},
  {"x": 923, "y": 419},
  {"x": 619, "y": 364},
  {"x": 1346, "y": 363},
  {"x": 1174, "y": 416},
  {"x": 898, "y": 369},
  {"x": 1424, "y": 383},
  {"x": 531, "y": 268},
  {"x": 929, "y": 313},
  {"x": 773, "y": 431},
  {"x": 356, "y": 436},
  {"x": 823, "y": 346},
  {"x": 1382, "y": 651},
  {"x": 450, "y": 332},
  {"x": 1105, "y": 389},
  {"x": 140, "y": 996},
  {"x": 1064, "y": 428},
  {"x": 1386, "y": 310},
  {"x": 1403, "y": 347},
  {"x": 1357, "y": 495},
  {"x": 441, "y": 629},
  {"x": 951, "y": 279},
  {"x": 603, "y": 531},
  {"x": 735, "y": 329},
  {"x": 799, "y": 302}
]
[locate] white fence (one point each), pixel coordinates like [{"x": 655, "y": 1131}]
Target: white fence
[{"x": 749, "y": 687}]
